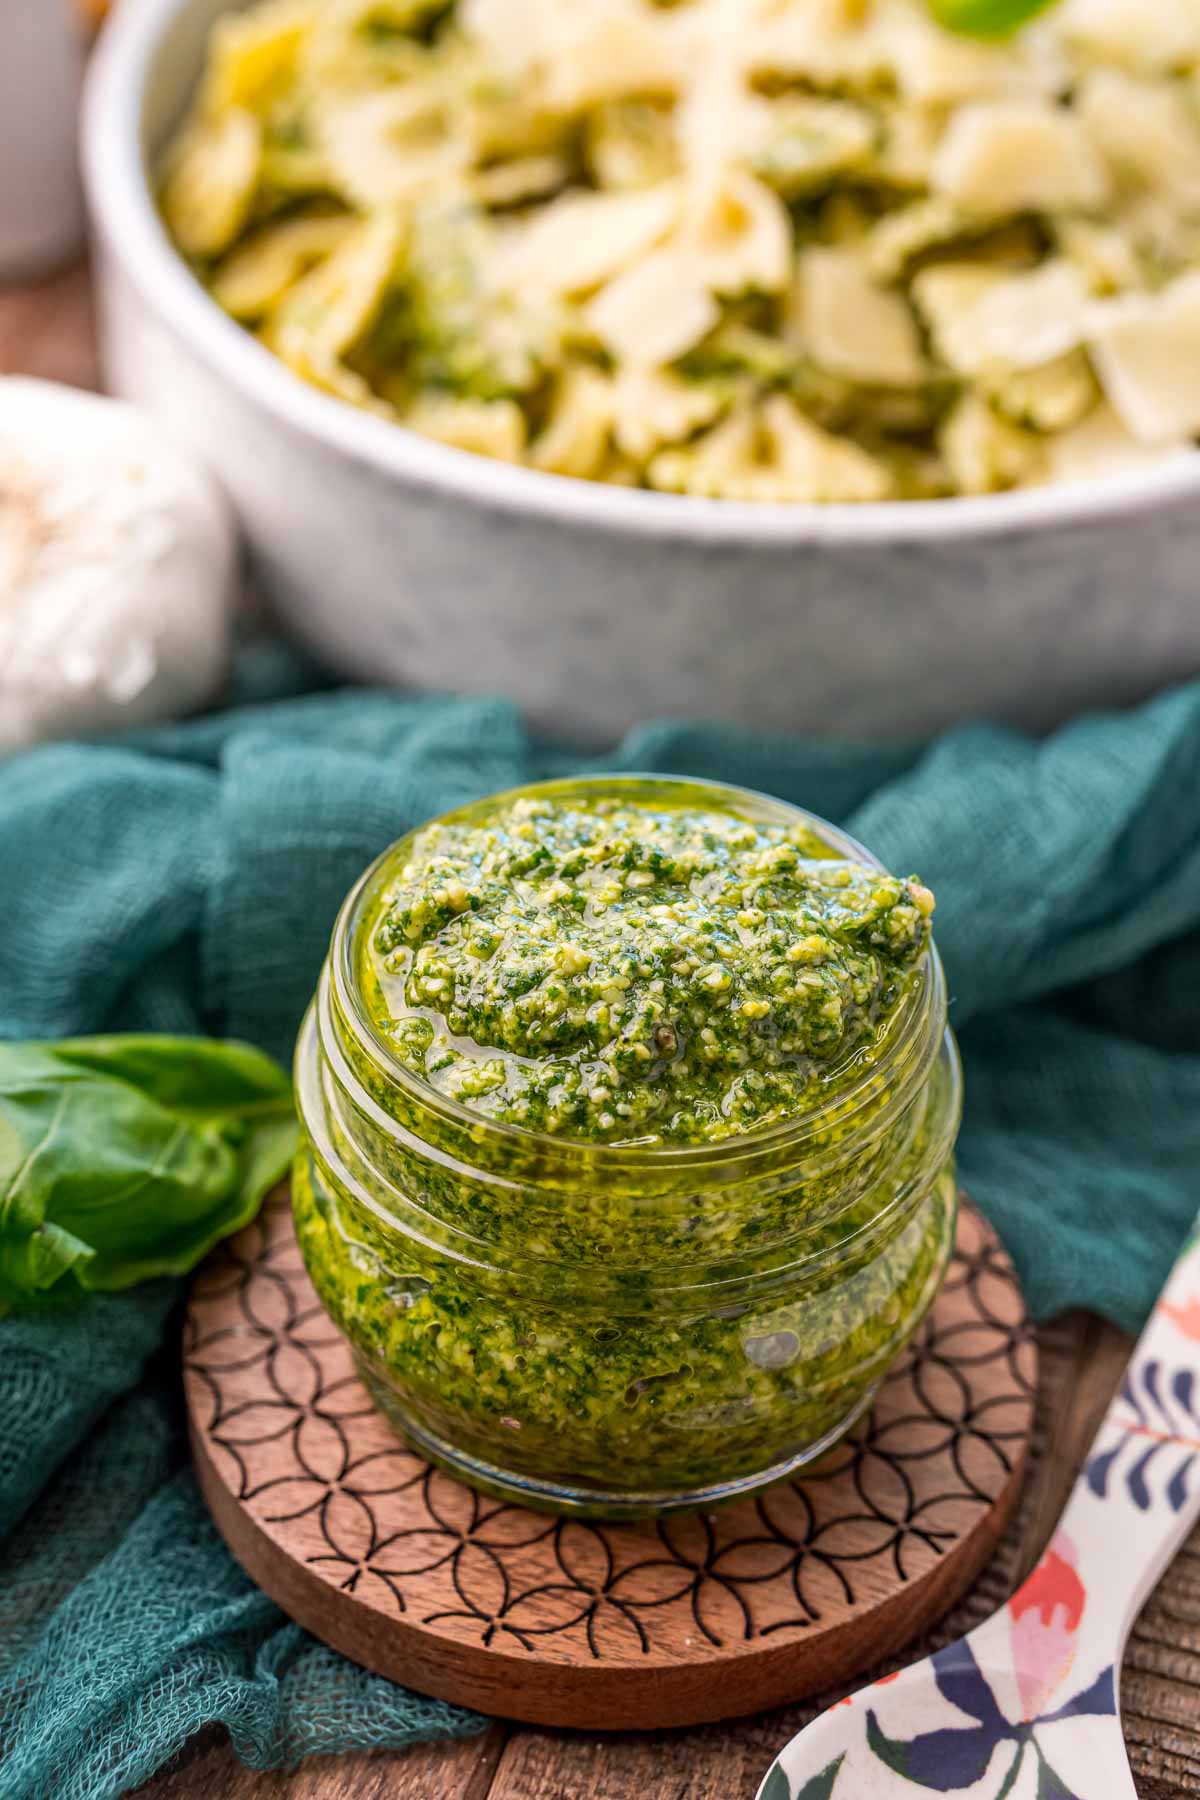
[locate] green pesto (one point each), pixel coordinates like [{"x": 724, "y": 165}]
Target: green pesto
[
  {"x": 659, "y": 1180},
  {"x": 612, "y": 971},
  {"x": 628, "y": 1395}
]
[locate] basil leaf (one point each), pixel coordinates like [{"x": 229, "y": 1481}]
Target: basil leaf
[
  {"x": 986, "y": 18},
  {"x": 123, "y": 1158}
]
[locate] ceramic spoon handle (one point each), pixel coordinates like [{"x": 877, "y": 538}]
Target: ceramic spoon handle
[{"x": 1139, "y": 1493}]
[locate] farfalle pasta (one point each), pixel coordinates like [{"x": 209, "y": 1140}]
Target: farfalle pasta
[{"x": 765, "y": 250}]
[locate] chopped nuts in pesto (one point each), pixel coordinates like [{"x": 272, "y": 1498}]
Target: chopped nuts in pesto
[{"x": 621, "y": 972}]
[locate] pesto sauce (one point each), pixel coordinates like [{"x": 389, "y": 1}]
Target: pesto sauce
[
  {"x": 619, "y": 972},
  {"x": 614, "y": 973},
  {"x": 632, "y": 1395}
]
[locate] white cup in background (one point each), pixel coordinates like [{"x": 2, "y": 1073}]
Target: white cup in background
[{"x": 41, "y": 67}]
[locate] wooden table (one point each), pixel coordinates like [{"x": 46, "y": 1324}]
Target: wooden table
[{"x": 46, "y": 329}]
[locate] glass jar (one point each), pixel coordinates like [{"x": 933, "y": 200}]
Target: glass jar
[{"x": 622, "y": 1330}]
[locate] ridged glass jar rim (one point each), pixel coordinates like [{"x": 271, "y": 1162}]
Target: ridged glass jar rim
[
  {"x": 760, "y": 1271},
  {"x": 919, "y": 1021}
]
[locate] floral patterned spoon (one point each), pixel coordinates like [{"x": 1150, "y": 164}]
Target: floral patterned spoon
[{"x": 1025, "y": 1708}]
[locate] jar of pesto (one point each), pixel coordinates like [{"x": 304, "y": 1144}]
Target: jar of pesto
[{"x": 629, "y": 1107}]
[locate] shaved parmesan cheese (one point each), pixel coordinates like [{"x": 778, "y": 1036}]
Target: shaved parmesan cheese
[
  {"x": 982, "y": 318},
  {"x": 1146, "y": 350},
  {"x": 552, "y": 203},
  {"x": 582, "y": 239},
  {"x": 1146, "y": 129},
  {"x": 1015, "y": 155},
  {"x": 854, "y": 328},
  {"x": 654, "y": 312}
]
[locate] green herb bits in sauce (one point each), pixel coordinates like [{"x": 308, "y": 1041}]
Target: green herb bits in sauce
[
  {"x": 621, "y": 970},
  {"x": 629, "y": 1109}
]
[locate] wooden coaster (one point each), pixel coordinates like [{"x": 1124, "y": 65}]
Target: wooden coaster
[{"x": 607, "y": 1627}]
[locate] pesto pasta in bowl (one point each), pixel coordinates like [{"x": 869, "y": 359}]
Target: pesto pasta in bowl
[
  {"x": 724, "y": 394},
  {"x": 628, "y": 1108},
  {"x": 758, "y": 250}
]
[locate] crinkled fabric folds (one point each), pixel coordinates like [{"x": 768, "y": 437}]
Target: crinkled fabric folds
[{"x": 187, "y": 879}]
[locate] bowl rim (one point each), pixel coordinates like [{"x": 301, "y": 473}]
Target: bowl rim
[{"x": 130, "y": 231}]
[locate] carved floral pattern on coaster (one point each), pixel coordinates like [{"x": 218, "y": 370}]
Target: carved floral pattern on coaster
[{"x": 291, "y": 1432}]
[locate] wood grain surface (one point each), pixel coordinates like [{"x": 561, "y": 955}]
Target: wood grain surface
[{"x": 46, "y": 330}]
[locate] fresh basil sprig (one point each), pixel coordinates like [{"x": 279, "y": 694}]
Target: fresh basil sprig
[
  {"x": 986, "y": 18},
  {"x": 127, "y": 1157}
]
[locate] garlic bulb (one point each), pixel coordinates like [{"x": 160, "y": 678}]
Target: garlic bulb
[{"x": 117, "y": 564}]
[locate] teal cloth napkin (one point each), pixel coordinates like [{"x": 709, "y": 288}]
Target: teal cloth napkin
[{"x": 186, "y": 880}]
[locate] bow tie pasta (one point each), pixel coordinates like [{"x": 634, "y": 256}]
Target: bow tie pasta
[{"x": 760, "y": 250}]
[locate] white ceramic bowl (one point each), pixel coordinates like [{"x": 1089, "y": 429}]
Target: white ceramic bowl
[{"x": 403, "y": 560}]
